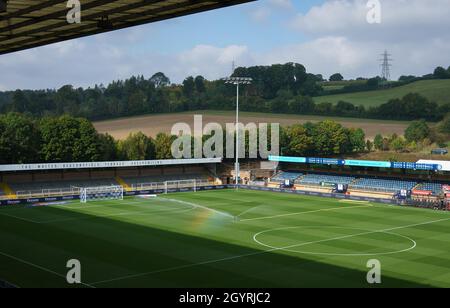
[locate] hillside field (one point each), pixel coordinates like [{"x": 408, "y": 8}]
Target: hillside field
[
  {"x": 434, "y": 90},
  {"x": 154, "y": 124}
]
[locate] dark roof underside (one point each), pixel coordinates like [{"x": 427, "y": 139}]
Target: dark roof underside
[{"x": 32, "y": 23}]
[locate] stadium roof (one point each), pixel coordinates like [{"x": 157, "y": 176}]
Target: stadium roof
[{"x": 32, "y": 23}]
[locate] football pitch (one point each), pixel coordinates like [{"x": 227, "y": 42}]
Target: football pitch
[{"x": 224, "y": 238}]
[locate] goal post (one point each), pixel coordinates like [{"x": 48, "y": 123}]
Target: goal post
[
  {"x": 100, "y": 193},
  {"x": 187, "y": 185}
]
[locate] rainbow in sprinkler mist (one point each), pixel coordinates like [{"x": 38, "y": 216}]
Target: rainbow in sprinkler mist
[{"x": 207, "y": 219}]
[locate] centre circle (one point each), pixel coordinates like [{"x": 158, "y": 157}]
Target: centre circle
[{"x": 334, "y": 241}]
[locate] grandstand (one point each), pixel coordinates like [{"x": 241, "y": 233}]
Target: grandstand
[
  {"x": 382, "y": 185},
  {"x": 423, "y": 181},
  {"x": 19, "y": 182}
]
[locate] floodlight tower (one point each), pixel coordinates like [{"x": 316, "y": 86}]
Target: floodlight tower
[{"x": 237, "y": 81}]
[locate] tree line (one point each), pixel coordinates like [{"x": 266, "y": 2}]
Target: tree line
[
  {"x": 24, "y": 139},
  {"x": 418, "y": 136},
  {"x": 281, "y": 88}
]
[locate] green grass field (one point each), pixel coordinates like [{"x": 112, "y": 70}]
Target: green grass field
[
  {"x": 434, "y": 90},
  {"x": 225, "y": 239}
]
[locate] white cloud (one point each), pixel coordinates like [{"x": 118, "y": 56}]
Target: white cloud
[
  {"x": 340, "y": 40},
  {"x": 260, "y": 14},
  {"x": 400, "y": 20},
  {"x": 86, "y": 64},
  {"x": 328, "y": 55}
]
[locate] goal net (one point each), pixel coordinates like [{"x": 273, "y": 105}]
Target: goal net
[
  {"x": 183, "y": 185},
  {"x": 99, "y": 193}
]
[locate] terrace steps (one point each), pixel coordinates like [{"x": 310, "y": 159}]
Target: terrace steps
[
  {"x": 10, "y": 193},
  {"x": 123, "y": 183}
]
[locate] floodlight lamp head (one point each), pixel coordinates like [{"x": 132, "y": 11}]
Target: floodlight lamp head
[{"x": 238, "y": 80}]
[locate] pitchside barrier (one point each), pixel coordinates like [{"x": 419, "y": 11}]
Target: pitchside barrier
[{"x": 205, "y": 188}]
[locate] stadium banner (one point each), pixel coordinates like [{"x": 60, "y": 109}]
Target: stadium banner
[
  {"x": 110, "y": 164},
  {"x": 319, "y": 194},
  {"x": 127, "y": 193},
  {"x": 356, "y": 163},
  {"x": 422, "y": 192},
  {"x": 307, "y": 160},
  {"x": 206, "y": 188}
]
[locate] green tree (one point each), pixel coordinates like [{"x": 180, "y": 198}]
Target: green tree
[
  {"x": 357, "y": 139},
  {"x": 200, "y": 84},
  {"x": 444, "y": 125},
  {"x": 19, "y": 102},
  {"x": 20, "y": 139},
  {"x": 336, "y": 77},
  {"x": 137, "y": 146},
  {"x": 189, "y": 86},
  {"x": 331, "y": 138},
  {"x": 369, "y": 145},
  {"x": 441, "y": 73},
  {"x": 398, "y": 144},
  {"x": 297, "y": 142},
  {"x": 160, "y": 80},
  {"x": 107, "y": 147},
  {"x": 69, "y": 139},
  {"x": 302, "y": 105},
  {"x": 163, "y": 144},
  {"x": 378, "y": 142},
  {"x": 417, "y": 131}
]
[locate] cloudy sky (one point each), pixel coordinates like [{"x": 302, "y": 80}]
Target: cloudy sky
[{"x": 327, "y": 36}]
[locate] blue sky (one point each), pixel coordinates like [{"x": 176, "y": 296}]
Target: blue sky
[{"x": 327, "y": 36}]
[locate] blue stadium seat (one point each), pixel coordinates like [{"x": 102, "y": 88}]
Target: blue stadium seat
[
  {"x": 383, "y": 185},
  {"x": 282, "y": 176},
  {"x": 317, "y": 179},
  {"x": 436, "y": 188}
]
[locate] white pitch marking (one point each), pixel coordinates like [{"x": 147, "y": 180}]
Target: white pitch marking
[
  {"x": 287, "y": 248},
  {"x": 306, "y": 212},
  {"x": 40, "y": 267},
  {"x": 20, "y": 218},
  {"x": 241, "y": 256},
  {"x": 248, "y": 210},
  {"x": 201, "y": 206}
]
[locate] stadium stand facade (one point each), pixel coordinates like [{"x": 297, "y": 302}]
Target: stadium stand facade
[{"x": 418, "y": 186}]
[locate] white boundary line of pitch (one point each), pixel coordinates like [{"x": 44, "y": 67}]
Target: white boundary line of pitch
[
  {"x": 306, "y": 212},
  {"x": 147, "y": 211},
  {"x": 40, "y": 267},
  {"x": 254, "y": 254}
]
